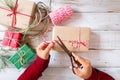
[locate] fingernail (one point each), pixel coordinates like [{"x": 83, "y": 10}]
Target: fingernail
[
  {"x": 46, "y": 43},
  {"x": 53, "y": 42}
]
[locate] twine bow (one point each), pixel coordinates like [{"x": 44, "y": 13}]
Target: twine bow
[
  {"x": 77, "y": 43},
  {"x": 10, "y": 38},
  {"x": 21, "y": 54},
  {"x": 13, "y": 10}
]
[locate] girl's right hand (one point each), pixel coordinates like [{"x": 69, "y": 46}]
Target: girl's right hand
[{"x": 86, "y": 70}]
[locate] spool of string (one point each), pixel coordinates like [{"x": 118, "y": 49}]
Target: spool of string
[
  {"x": 39, "y": 24},
  {"x": 60, "y": 14}
]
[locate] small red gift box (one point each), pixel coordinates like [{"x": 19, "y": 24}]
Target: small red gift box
[{"x": 12, "y": 39}]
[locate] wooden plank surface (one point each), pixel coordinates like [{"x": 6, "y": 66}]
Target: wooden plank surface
[
  {"x": 89, "y": 5},
  {"x": 99, "y": 40},
  {"x": 66, "y": 73},
  {"x": 103, "y": 17},
  {"x": 98, "y": 58},
  {"x": 96, "y": 21},
  {"x": 50, "y": 73}
]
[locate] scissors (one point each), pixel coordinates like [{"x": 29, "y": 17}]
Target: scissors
[{"x": 72, "y": 58}]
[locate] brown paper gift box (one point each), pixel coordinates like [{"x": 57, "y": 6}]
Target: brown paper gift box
[
  {"x": 75, "y": 38},
  {"x": 24, "y": 6}
]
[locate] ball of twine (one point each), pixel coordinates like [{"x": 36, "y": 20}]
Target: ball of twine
[{"x": 39, "y": 25}]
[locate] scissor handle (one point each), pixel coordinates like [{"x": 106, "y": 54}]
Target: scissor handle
[{"x": 78, "y": 63}]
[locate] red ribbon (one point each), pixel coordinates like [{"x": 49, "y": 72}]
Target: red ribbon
[
  {"x": 77, "y": 43},
  {"x": 14, "y": 12}
]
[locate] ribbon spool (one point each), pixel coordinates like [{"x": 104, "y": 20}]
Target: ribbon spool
[{"x": 60, "y": 14}]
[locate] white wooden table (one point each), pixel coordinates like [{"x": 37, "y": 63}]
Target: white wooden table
[{"x": 103, "y": 17}]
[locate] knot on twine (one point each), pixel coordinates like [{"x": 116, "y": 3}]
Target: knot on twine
[
  {"x": 21, "y": 54},
  {"x": 10, "y": 37},
  {"x": 13, "y": 13}
]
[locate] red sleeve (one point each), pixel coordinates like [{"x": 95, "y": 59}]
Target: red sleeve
[
  {"x": 99, "y": 75},
  {"x": 34, "y": 71}
]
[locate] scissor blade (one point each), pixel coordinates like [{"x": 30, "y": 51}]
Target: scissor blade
[
  {"x": 65, "y": 48},
  {"x": 62, "y": 45}
]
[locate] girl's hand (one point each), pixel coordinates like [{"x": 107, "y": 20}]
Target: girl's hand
[
  {"x": 86, "y": 70},
  {"x": 44, "y": 48}
]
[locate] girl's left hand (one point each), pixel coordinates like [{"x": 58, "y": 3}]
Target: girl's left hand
[{"x": 44, "y": 48}]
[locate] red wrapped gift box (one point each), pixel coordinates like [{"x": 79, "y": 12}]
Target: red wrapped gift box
[{"x": 12, "y": 39}]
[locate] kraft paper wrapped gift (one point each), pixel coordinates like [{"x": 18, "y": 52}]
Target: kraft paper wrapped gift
[
  {"x": 16, "y": 13},
  {"x": 22, "y": 56},
  {"x": 75, "y": 38}
]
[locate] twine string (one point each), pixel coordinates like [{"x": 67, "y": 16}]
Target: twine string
[
  {"x": 10, "y": 38},
  {"x": 13, "y": 11},
  {"x": 76, "y": 43},
  {"x": 21, "y": 54},
  {"x": 41, "y": 19}
]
